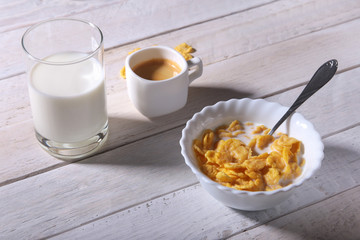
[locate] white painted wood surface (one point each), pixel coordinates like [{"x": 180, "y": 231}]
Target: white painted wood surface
[{"x": 139, "y": 187}]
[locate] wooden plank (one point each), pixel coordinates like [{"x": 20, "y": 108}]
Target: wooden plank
[
  {"x": 335, "y": 218},
  {"x": 127, "y": 125},
  {"x": 23, "y": 13},
  {"x": 128, "y": 21},
  {"x": 192, "y": 214},
  {"x": 66, "y": 197}
]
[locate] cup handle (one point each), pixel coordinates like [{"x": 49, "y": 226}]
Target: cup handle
[{"x": 195, "y": 62}]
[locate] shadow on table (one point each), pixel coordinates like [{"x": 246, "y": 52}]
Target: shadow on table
[
  {"x": 198, "y": 98},
  {"x": 316, "y": 211},
  {"x": 133, "y": 135},
  {"x": 205, "y": 96}
]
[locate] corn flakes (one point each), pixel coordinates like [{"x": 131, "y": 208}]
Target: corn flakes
[
  {"x": 185, "y": 50},
  {"x": 224, "y": 157}
]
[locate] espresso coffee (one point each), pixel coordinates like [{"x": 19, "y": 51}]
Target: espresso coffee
[{"x": 157, "y": 69}]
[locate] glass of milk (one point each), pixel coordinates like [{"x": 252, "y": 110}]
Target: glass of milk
[{"x": 66, "y": 82}]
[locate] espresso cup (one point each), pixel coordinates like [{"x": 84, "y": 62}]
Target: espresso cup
[{"x": 155, "y": 98}]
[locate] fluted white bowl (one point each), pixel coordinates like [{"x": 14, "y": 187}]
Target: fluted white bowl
[{"x": 257, "y": 111}]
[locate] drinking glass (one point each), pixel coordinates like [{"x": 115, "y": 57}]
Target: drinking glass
[{"x": 66, "y": 83}]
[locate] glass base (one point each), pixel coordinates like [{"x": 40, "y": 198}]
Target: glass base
[{"x": 75, "y": 150}]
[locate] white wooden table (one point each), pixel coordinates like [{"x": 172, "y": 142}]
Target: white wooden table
[{"x": 138, "y": 186}]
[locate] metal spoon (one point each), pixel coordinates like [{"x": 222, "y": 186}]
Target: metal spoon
[{"x": 320, "y": 78}]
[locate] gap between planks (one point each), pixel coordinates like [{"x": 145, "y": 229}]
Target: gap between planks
[
  {"x": 274, "y": 217},
  {"x": 209, "y": 20},
  {"x": 275, "y": 43},
  {"x": 291, "y": 212},
  {"x": 84, "y": 10},
  {"x": 65, "y": 163},
  {"x": 197, "y": 183},
  {"x": 188, "y": 26},
  {"x": 304, "y": 83},
  {"x": 121, "y": 210},
  {"x": 157, "y": 34}
]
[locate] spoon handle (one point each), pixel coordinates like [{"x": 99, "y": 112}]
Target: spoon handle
[{"x": 320, "y": 78}]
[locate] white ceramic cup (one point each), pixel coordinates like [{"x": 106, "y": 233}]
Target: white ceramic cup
[{"x": 157, "y": 98}]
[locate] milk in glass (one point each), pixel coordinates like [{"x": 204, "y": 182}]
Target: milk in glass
[{"x": 68, "y": 101}]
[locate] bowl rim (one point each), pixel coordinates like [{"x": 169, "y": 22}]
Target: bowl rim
[{"x": 202, "y": 177}]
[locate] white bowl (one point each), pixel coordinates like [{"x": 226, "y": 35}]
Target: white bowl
[{"x": 257, "y": 111}]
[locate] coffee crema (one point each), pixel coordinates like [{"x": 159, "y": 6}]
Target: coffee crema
[{"x": 157, "y": 69}]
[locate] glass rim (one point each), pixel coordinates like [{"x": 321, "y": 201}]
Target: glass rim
[{"x": 88, "y": 54}]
